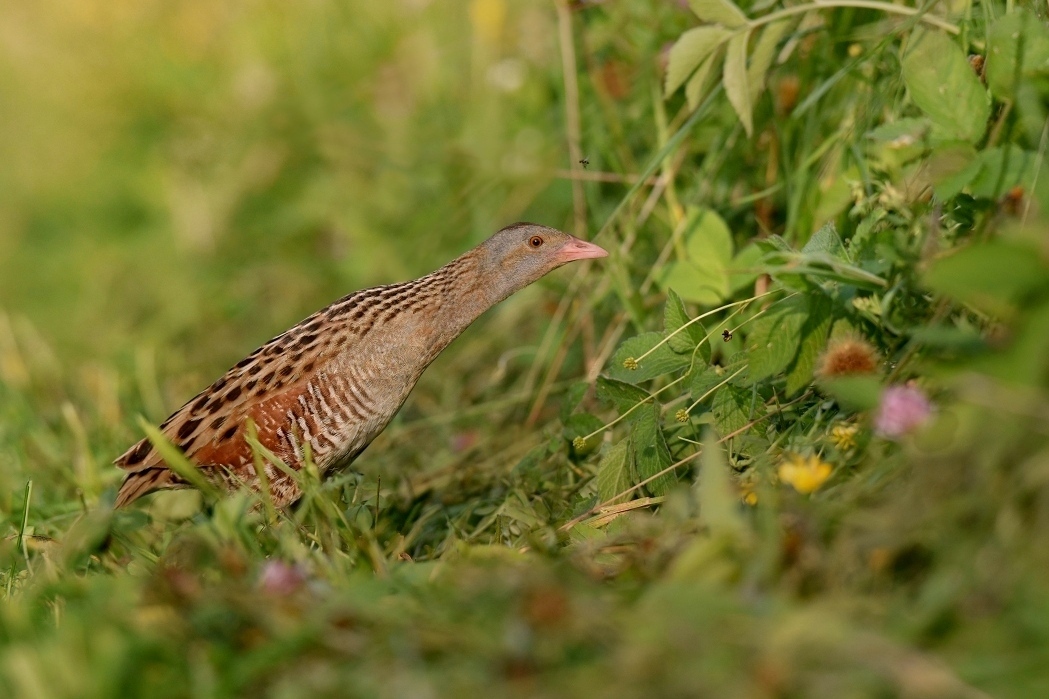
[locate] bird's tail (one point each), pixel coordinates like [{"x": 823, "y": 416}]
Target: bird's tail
[{"x": 142, "y": 482}]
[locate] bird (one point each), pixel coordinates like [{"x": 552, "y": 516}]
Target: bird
[{"x": 325, "y": 388}]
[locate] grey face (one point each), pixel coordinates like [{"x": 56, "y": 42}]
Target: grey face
[{"x": 524, "y": 252}]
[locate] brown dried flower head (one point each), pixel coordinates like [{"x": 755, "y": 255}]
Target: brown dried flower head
[{"x": 848, "y": 356}]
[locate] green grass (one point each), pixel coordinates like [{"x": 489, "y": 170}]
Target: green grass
[{"x": 585, "y": 494}]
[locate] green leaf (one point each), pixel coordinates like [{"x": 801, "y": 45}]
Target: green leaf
[
  {"x": 707, "y": 237},
  {"x": 1025, "y": 361},
  {"x": 718, "y": 502},
  {"x": 900, "y": 132},
  {"x": 735, "y": 407},
  {"x": 734, "y": 77},
  {"x": 774, "y": 338},
  {"x": 961, "y": 338},
  {"x": 744, "y": 269},
  {"x": 762, "y": 55},
  {"x": 662, "y": 361},
  {"x": 698, "y": 82},
  {"x": 621, "y": 395},
  {"x": 572, "y": 398},
  {"x": 693, "y": 335},
  {"x": 695, "y": 285},
  {"x": 818, "y": 265},
  {"x": 952, "y": 166},
  {"x": 690, "y": 50},
  {"x": 703, "y": 381},
  {"x": 517, "y": 509},
  {"x": 944, "y": 86},
  {"x": 774, "y": 243},
  {"x": 813, "y": 340},
  {"x": 826, "y": 240},
  {"x": 722, "y": 12},
  {"x": 651, "y": 453},
  {"x": 703, "y": 276},
  {"x": 1001, "y": 169},
  {"x": 1006, "y": 36},
  {"x": 580, "y": 425},
  {"x": 613, "y": 473},
  {"x": 993, "y": 276},
  {"x": 854, "y": 392}
]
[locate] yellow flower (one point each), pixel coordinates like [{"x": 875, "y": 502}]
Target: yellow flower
[
  {"x": 844, "y": 436},
  {"x": 681, "y": 415},
  {"x": 805, "y": 474},
  {"x": 630, "y": 363}
]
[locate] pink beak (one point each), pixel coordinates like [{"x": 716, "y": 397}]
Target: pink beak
[{"x": 576, "y": 249}]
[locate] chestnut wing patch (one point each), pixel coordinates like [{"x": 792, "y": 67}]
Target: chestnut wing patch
[{"x": 273, "y": 375}]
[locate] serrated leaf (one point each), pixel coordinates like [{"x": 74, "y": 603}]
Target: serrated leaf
[
  {"x": 718, "y": 503},
  {"x": 620, "y": 394},
  {"x": 698, "y": 82},
  {"x": 826, "y": 240},
  {"x": 774, "y": 243},
  {"x": 723, "y": 12},
  {"x": 661, "y": 361},
  {"x": 651, "y": 453},
  {"x": 762, "y": 55},
  {"x": 613, "y": 473},
  {"x": 944, "y": 86},
  {"x": 703, "y": 381},
  {"x": 689, "y": 51},
  {"x": 735, "y": 407},
  {"x": 774, "y": 338},
  {"x": 692, "y": 335},
  {"x": 813, "y": 340},
  {"x": 734, "y": 78}
]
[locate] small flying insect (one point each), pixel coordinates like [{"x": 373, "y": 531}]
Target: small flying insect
[
  {"x": 727, "y": 335},
  {"x": 584, "y": 162}
]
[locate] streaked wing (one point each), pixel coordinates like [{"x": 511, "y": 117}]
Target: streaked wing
[{"x": 208, "y": 426}]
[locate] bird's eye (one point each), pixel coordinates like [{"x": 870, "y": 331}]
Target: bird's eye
[{"x": 535, "y": 241}]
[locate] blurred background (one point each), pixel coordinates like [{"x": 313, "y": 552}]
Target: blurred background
[
  {"x": 181, "y": 181},
  {"x": 183, "y": 171}
]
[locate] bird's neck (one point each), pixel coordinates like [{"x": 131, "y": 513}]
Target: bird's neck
[{"x": 463, "y": 294}]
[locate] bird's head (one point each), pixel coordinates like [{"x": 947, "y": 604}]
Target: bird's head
[{"x": 522, "y": 253}]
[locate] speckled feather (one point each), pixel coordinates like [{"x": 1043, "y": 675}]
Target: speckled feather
[{"x": 336, "y": 379}]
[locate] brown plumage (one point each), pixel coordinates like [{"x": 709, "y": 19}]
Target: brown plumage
[{"x": 336, "y": 379}]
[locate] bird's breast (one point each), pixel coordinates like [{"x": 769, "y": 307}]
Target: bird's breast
[{"x": 347, "y": 404}]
